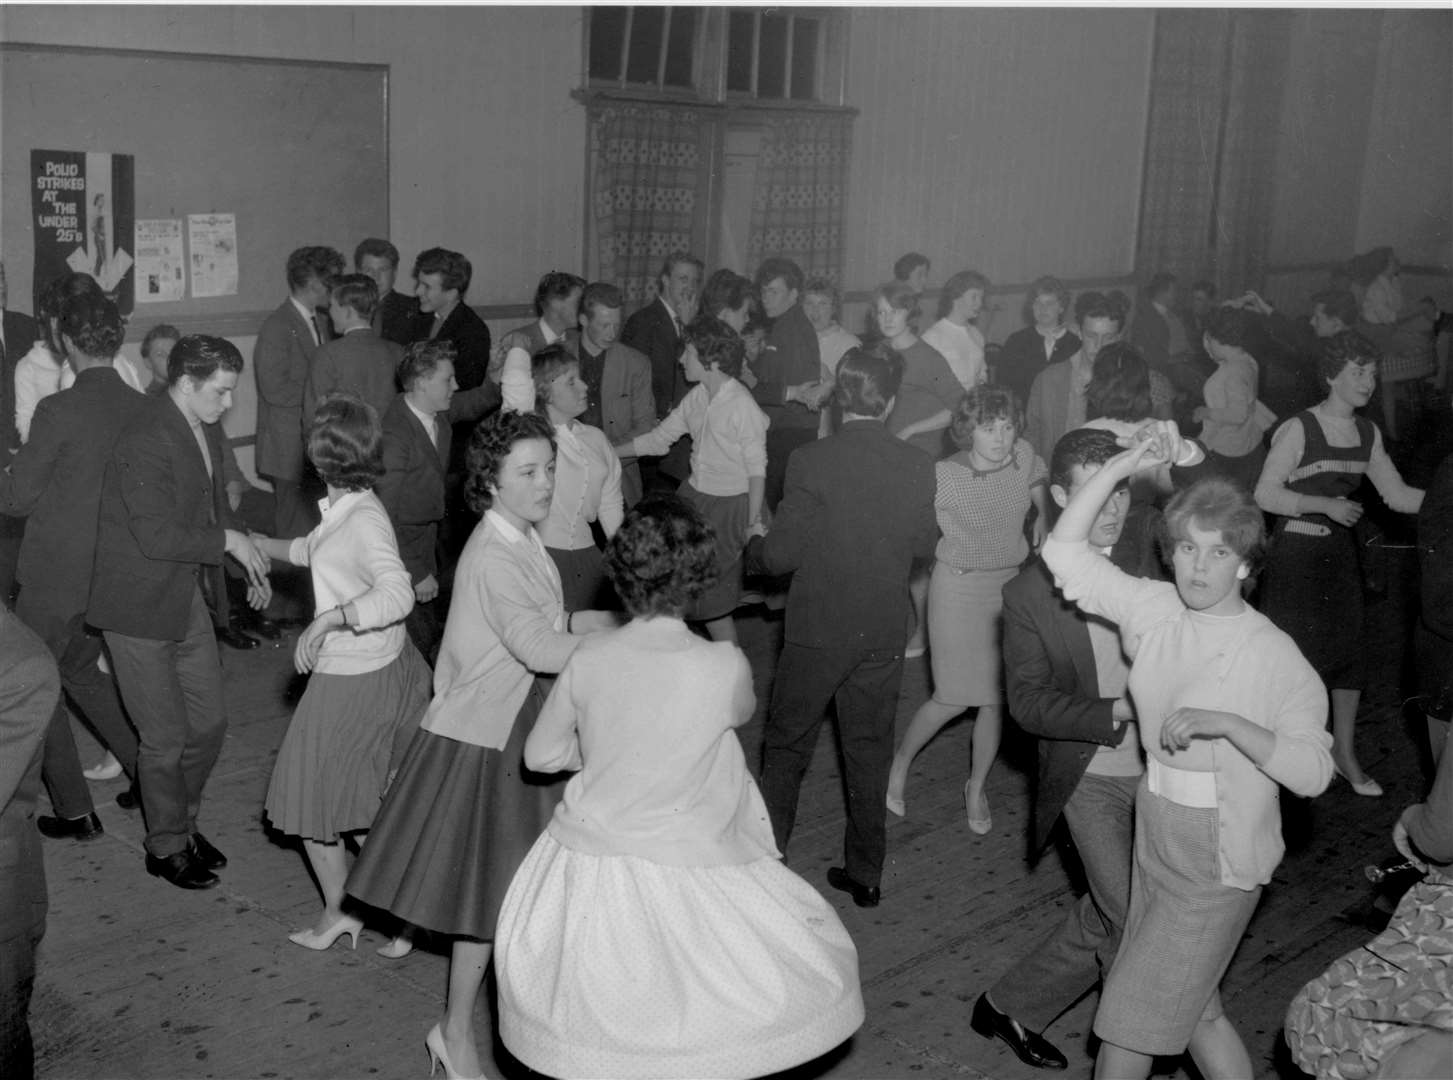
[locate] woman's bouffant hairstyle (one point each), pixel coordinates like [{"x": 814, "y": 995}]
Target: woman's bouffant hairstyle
[
  {"x": 1343, "y": 348},
  {"x": 868, "y": 377},
  {"x": 982, "y": 405},
  {"x": 490, "y": 443},
  {"x": 546, "y": 366},
  {"x": 717, "y": 343},
  {"x": 54, "y": 295},
  {"x": 1119, "y": 384},
  {"x": 93, "y": 324},
  {"x": 662, "y": 557},
  {"x": 1216, "y": 503},
  {"x": 1231, "y": 326},
  {"x": 421, "y": 358},
  {"x": 345, "y": 442},
  {"x": 726, "y": 290},
  {"x": 956, "y": 286}
]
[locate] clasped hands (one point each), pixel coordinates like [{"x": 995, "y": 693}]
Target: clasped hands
[
  {"x": 255, "y": 564},
  {"x": 810, "y": 394}
]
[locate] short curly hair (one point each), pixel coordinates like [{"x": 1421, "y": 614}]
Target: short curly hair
[
  {"x": 1216, "y": 503},
  {"x": 717, "y": 343},
  {"x": 345, "y": 442},
  {"x": 982, "y": 405},
  {"x": 490, "y": 443},
  {"x": 421, "y": 358},
  {"x": 93, "y": 324},
  {"x": 1343, "y": 348},
  {"x": 662, "y": 557}
]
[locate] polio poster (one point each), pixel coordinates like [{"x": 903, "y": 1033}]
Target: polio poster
[{"x": 84, "y": 210}]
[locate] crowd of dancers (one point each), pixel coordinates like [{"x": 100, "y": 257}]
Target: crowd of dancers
[{"x": 523, "y": 561}]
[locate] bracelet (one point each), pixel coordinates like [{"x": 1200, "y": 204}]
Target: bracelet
[{"x": 343, "y": 616}]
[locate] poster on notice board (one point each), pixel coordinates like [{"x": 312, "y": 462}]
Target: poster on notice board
[
  {"x": 83, "y": 205},
  {"x": 161, "y": 268}
]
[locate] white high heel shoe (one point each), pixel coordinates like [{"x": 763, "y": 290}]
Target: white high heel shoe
[
  {"x": 434, "y": 1043},
  {"x": 312, "y": 939}
]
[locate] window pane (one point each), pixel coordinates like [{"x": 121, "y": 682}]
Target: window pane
[
  {"x": 739, "y": 51},
  {"x": 772, "y": 57},
  {"x": 681, "y": 47},
  {"x": 607, "y": 25},
  {"x": 647, "y": 27},
  {"x": 804, "y": 58}
]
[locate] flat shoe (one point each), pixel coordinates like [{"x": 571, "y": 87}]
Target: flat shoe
[{"x": 978, "y": 826}]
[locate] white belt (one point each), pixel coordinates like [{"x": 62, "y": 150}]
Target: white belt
[
  {"x": 1196, "y": 789},
  {"x": 1307, "y": 528}
]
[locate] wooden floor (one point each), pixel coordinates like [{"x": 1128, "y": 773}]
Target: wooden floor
[{"x": 141, "y": 980}]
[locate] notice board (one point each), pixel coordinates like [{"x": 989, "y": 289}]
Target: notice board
[{"x": 297, "y": 150}]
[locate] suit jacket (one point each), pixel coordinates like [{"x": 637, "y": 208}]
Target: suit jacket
[
  {"x": 412, "y": 486},
  {"x": 1150, "y": 333},
  {"x": 281, "y": 360},
  {"x": 1053, "y": 684},
  {"x": 161, "y": 528},
  {"x": 29, "y": 689},
  {"x": 360, "y": 361},
  {"x": 471, "y": 343},
  {"x": 652, "y": 331},
  {"x": 20, "y": 334},
  {"x": 1022, "y": 358},
  {"x": 627, "y": 406},
  {"x": 55, "y": 480},
  {"x": 398, "y": 319},
  {"x": 856, "y": 511},
  {"x": 790, "y": 357},
  {"x": 1048, "y": 406}
]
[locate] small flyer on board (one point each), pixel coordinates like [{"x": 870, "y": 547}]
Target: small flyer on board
[
  {"x": 161, "y": 266},
  {"x": 212, "y": 240}
]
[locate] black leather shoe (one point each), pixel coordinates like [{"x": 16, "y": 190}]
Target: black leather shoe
[
  {"x": 863, "y": 895},
  {"x": 1033, "y": 1049},
  {"x": 59, "y": 828},
  {"x": 128, "y": 799},
  {"x": 182, "y": 870},
  {"x": 235, "y": 639},
  {"x": 260, "y": 625},
  {"x": 206, "y": 854}
]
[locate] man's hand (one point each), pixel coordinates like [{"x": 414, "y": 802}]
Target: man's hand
[
  {"x": 252, "y": 559},
  {"x": 426, "y": 590}
]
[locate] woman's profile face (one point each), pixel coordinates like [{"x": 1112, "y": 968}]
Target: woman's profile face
[
  {"x": 736, "y": 318},
  {"x": 525, "y": 482},
  {"x": 568, "y": 394},
  {"x": 691, "y": 365}
]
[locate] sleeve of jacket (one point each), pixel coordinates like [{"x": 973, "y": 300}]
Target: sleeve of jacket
[
  {"x": 643, "y": 400},
  {"x": 1037, "y": 704},
  {"x": 30, "y": 469},
  {"x": 280, "y": 381},
  {"x": 789, "y": 539},
  {"x": 149, "y": 493}
]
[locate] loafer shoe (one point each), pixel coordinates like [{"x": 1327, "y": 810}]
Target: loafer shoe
[
  {"x": 206, "y": 854},
  {"x": 1032, "y": 1048},
  {"x": 59, "y": 828},
  {"x": 182, "y": 870},
  {"x": 263, "y": 627},
  {"x": 863, "y": 895},
  {"x": 128, "y": 799}
]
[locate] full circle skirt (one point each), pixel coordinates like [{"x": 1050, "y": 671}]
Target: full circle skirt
[
  {"x": 334, "y": 762},
  {"x": 456, "y": 823},
  {"x": 615, "y": 966}
]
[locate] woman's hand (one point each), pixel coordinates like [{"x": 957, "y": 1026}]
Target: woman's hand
[
  {"x": 1343, "y": 511},
  {"x": 1186, "y": 724},
  {"x": 310, "y": 641},
  {"x": 1038, "y": 530}
]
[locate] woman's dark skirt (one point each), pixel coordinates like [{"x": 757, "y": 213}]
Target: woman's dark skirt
[{"x": 455, "y": 825}]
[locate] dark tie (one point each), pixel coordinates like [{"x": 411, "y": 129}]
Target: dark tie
[{"x": 317, "y": 329}]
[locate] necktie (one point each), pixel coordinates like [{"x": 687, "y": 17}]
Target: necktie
[{"x": 317, "y": 324}]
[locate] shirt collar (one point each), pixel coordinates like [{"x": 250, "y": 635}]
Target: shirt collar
[
  {"x": 301, "y": 309},
  {"x": 550, "y": 336},
  {"x": 429, "y": 422},
  {"x": 347, "y": 499}
]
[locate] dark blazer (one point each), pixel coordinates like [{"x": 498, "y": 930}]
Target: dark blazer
[
  {"x": 281, "y": 360},
  {"x": 360, "y": 361},
  {"x": 1053, "y": 684},
  {"x": 1022, "y": 358},
  {"x": 29, "y": 689},
  {"x": 1150, "y": 333},
  {"x": 856, "y": 511},
  {"x": 627, "y": 405},
  {"x": 790, "y": 357},
  {"x": 412, "y": 486},
  {"x": 652, "y": 331},
  {"x": 162, "y": 520},
  {"x": 55, "y": 480},
  {"x": 398, "y": 319},
  {"x": 471, "y": 343},
  {"x": 21, "y": 333}
]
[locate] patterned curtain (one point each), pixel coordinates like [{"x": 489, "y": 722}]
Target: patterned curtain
[
  {"x": 1178, "y": 193},
  {"x": 799, "y": 202},
  {"x": 647, "y": 165},
  {"x": 1215, "y": 106}
]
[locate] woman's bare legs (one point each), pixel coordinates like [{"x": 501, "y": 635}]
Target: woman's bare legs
[
  {"x": 467, "y": 962},
  {"x": 1218, "y": 1051},
  {"x": 1118, "y": 1063},
  {"x": 988, "y": 729},
  {"x": 330, "y": 867},
  {"x": 1344, "y": 725},
  {"x": 927, "y": 722}
]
